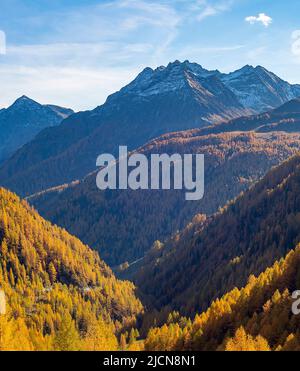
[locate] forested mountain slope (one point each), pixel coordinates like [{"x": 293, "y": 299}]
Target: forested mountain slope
[
  {"x": 122, "y": 225},
  {"x": 242, "y": 239},
  {"x": 257, "y": 317},
  {"x": 59, "y": 294},
  {"x": 285, "y": 118}
]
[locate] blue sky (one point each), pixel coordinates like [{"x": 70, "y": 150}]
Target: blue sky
[{"x": 75, "y": 53}]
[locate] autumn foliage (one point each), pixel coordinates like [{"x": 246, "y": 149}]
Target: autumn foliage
[
  {"x": 60, "y": 295},
  {"x": 257, "y": 317}
]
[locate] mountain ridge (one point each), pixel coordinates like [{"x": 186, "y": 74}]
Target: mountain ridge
[
  {"x": 180, "y": 96},
  {"x": 285, "y": 118}
]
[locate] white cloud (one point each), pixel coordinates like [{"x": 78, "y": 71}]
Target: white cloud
[
  {"x": 261, "y": 18},
  {"x": 296, "y": 43}
]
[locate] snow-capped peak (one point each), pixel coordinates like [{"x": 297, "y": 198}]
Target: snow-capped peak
[
  {"x": 255, "y": 88},
  {"x": 165, "y": 79}
]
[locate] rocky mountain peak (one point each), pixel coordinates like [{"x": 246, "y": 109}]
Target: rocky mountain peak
[{"x": 24, "y": 102}]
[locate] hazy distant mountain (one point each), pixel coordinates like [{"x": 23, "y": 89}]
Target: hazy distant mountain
[
  {"x": 23, "y": 120},
  {"x": 177, "y": 97}
]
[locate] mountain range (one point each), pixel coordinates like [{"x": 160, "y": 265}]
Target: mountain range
[
  {"x": 180, "y": 96},
  {"x": 23, "y": 120}
]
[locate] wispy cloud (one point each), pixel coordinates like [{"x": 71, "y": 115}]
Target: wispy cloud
[
  {"x": 76, "y": 54},
  {"x": 209, "y": 8},
  {"x": 90, "y": 70},
  {"x": 262, "y": 18},
  {"x": 149, "y": 12},
  {"x": 163, "y": 16},
  {"x": 214, "y": 50},
  {"x": 296, "y": 43},
  {"x": 253, "y": 54},
  {"x": 92, "y": 50},
  {"x": 2, "y": 43},
  {"x": 169, "y": 16},
  {"x": 78, "y": 87}
]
